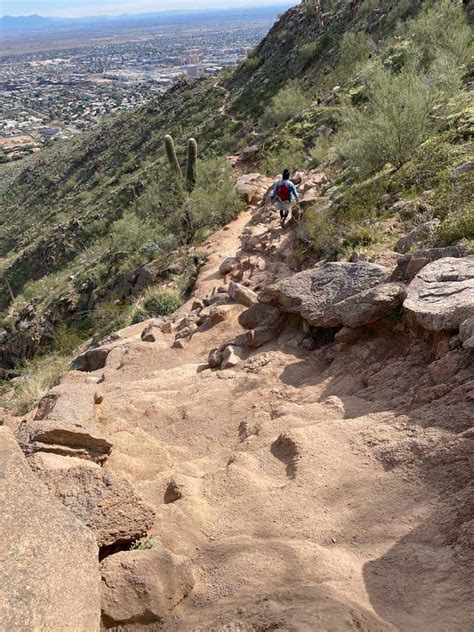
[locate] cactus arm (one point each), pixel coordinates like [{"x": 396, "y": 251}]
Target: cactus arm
[
  {"x": 191, "y": 165},
  {"x": 172, "y": 158}
]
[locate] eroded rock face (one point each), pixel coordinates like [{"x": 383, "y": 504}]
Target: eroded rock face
[
  {"x": 144, "y": 586},
  {"x": 65, "y": 438},
  {"x": 102, "y": 501},
  {"x": 466, "y": 333},
  {"x": 371, "y": 305},
  {"x": 313, "y": 293},
  {"x": 91, "y": 360},
  {"x": 441, "y": 296},
  {"x": 49, "y": 573}
]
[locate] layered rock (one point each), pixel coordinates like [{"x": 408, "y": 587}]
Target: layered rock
[
  {"x": 62, "y": 437},
  {"x": 441, "y": 296},
  {"x": 49, "y": 571}
]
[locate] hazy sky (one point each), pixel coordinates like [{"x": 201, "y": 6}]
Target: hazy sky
[{"x": 74, "y": 8}]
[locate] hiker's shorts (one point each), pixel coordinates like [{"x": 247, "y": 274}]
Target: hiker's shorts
[{"x": 283, "y": 207}]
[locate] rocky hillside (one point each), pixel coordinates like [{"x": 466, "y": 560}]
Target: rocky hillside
[
  {"x": 88, "y": 225},
  {"x": 290, "y": 450}
]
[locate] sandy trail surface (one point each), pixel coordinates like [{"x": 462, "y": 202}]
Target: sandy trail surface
[{"x": 308, "y": 489}]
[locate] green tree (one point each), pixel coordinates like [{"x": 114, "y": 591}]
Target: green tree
[{"x": 400, "y": 113}]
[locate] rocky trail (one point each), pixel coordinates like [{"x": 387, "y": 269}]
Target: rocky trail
[{"x": 281, "y": 478}]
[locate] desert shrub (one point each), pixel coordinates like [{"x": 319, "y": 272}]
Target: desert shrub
[
  {"x": 66, "y": 339},
  {"x": 440, "y": 27},
  {"x": 37, "y": 377},
  {"x": 398, "y": 116},
  {"x": 355, "y": 48},
  {"x": 318, "y": 231},
  {"x": 139, "y": 314},
  {"x": 214, "y": 201},
  {"x": 288, "y": 102},
  {"x": 455, "y": 228},
  {"x": 161, "y": 302},
  {"x": 290, "y": 155},
  {"x": 308, "y": 52},
  {"x": 320, "y": 151},
  {"x": 360, "y": 235},
  {"x": 252, "y": 62},
  {"x": 368, "y": 6}
]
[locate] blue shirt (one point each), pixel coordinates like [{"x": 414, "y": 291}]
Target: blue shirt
[{"x": 293, "y": 191}]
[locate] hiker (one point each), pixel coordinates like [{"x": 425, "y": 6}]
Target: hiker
[{"x": 283, "y": 191}]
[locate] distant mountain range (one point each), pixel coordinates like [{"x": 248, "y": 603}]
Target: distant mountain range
[{"x": 16, "y": 25}]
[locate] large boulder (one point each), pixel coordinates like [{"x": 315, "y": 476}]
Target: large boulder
[
  {"x": 313, "y": 293},
  {"x": 371, "y": 305},
  {"x": 441, "y": 296},
  {"x": 49, "y": 571},
  {"x": 143, "y": 586},
  {"x": 104, "y": 502}
]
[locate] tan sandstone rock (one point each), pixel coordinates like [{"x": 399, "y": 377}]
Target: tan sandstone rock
[
  {"x": 49, "y": 571},
  {"x": 144, "y": 586}
]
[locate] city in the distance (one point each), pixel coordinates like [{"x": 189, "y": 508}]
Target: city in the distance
[{"x": 60, "y": 77}]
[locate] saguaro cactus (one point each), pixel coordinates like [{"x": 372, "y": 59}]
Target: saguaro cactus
[
  {"x": 190, "y": 179},
  {"x": 171, "y": 153},
  {"x": 191, "y": 165}
]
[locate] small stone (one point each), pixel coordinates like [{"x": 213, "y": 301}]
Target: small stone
[
  {"x": 231, "y": 357},
  {"x": 242, "y": 295},
  {"x": 178, "y": 344},
  {"x": 214, "y": 358}
]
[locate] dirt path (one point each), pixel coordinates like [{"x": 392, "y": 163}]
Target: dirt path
[{"x": 277, "y": 479}]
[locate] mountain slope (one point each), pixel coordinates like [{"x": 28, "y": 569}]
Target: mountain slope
[{"x": 78, "y": 221}]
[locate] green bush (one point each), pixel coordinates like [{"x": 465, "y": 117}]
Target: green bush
[
  {"x": 398, "y": 117},
  {"x": 289, "y": 102},
  {"x": 251, "y": 63},
  {"x": 139, "y": 315},
  {"x": 318, "y": 231},
  {"x": 290, "y": 155},
  {"x": 308, "y": 52},
  {"x": 355, "y": 48},
  {"x": 440, "y": 28},
  {"x": 161, "y": 302},
  {"x": 320, "y": 151},
  {"x": 455, "y": 228},
  {"x": 214, "y": 201}
]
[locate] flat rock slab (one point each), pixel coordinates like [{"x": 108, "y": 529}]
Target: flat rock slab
[
  {"x": 144, "y": 586},
  {"x": 313, "y": 293},
  {"x": 104, "y": 502},
  {"x": 441, "y": 296},
  {"x": 49, "y": 570}
]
